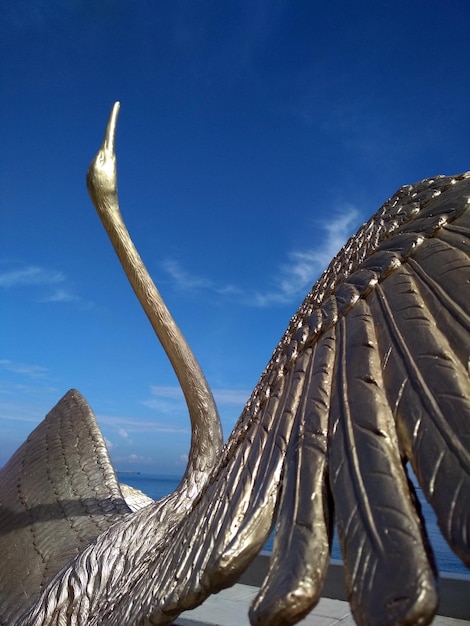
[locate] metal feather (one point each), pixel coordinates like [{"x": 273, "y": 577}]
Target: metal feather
[
  {"x": 431, "y": 406},
  {"x": 379, "y": 530},
  {"x": 304, "y": 521}
]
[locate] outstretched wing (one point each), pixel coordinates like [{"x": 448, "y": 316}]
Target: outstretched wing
[
  {"x": 371, "y": 372},
  {"x": 57, "y": 493}
]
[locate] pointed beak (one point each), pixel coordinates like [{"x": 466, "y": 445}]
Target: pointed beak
[{"x": 110, "y": 134}]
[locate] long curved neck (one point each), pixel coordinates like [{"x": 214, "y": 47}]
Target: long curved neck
[
  {"x": 206, "y": 432},
  {"x": 201, "y": 405}
]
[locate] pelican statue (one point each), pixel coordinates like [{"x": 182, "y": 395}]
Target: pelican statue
[{"x": 371, "y": 377}]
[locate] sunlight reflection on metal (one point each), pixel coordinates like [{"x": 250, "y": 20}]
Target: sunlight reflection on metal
[{"x": 371, "y": 371}]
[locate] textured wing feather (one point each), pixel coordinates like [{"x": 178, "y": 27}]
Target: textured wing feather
[
  {"x": 57, "y": 493},
  {"x": 431, "y": 399},
  {"x": 289, "y": 593},
  {"x": 441, "y": 274},
  {"x": 379, "y": 529}
]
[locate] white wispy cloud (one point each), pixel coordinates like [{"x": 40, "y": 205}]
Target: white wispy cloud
[
  {"x": 52, "y": 283},
  {"x": 30, "y": 275},
  {"x": 60, "y": 295},
  {"x": 27, "y": 369},
  {"x": 224, "y": 397},
  {"x": 184, "y": 279},
  {"x": 172, "y": 392},
  {"x": 292, "y": 278},
  {"x": 221, "y": 396},
  {"x": 26, "y": 392},
  {"x": 138, "y": 425},
  {"x": 296, "y": 276},
  {"x": 135, "y": 457},
  {"x": 24, "y": 411},
  {"x": 168, "y": 401},
  {"x": 188, "y": 282},
  {"x": 137, "y": 460}
]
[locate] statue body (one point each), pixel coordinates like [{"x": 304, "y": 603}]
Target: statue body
[{"x": 371, "y": 374}]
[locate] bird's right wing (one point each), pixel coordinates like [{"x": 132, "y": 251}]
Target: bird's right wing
[
  {"x": 371, "y": 372},
  {"x": 398, "y": 389}
]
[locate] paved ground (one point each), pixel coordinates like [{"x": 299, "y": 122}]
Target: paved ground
[{"x": 230, "y": 608}]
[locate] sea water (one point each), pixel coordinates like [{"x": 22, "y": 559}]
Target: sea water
[{"x": 156, "y": 486}]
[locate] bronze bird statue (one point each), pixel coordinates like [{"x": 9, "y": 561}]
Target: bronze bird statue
[{"x": 371, "y": 376}]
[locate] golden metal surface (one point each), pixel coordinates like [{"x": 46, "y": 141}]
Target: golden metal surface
[{"x": 371, "y": 372}]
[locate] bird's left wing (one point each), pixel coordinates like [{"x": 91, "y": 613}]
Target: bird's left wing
[{"x": 57, "y": 493}]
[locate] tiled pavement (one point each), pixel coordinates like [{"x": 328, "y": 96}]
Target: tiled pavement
[{"x": 230, "y": 608}]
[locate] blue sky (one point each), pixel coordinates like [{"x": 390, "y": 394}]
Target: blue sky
[{"x": 254, "y": 138}]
